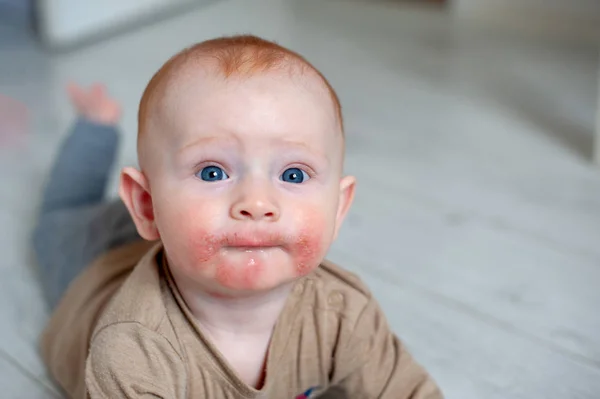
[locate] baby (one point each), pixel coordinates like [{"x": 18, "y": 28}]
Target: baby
[{"x": 208, "y": 280}]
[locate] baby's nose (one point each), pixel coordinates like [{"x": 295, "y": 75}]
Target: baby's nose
[{"x": 255, "y": 209}]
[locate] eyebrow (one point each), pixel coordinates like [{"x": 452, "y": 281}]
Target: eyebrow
[
  {"x": 298, "y": 145},
  {"x": 205, "y": 141},
  {"x": 302, "y": 146}
]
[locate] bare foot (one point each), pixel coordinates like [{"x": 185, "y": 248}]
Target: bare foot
[{"x": 94, "y": 104}]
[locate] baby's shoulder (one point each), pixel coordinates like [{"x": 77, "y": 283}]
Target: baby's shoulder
[
  {"x": 334, "y": 276},
  {"x": 339, "y": 290},
  {"x": 140, "y": 300}
]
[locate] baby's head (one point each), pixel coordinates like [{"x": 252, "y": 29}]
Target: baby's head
[{"x": 241, "y": 150}]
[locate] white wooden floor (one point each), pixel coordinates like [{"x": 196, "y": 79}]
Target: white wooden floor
[{"x": 477, "y": 218}]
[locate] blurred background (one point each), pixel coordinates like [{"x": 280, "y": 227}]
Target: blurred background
[{"x": 470, "y": 127}]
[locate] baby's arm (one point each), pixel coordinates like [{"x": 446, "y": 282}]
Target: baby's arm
[
  {"x": 128, "y": 360},
  {"x": 373, "y": 363}
]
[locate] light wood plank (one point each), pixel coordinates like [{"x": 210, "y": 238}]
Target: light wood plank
[
  {"x": 499, "y": 274},
  {"x": 22, "y": 309},
  {"x": 18, "y": 383},
  {"x": 473, "y": 359}
]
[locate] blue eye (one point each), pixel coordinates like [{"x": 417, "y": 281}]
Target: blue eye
[
  {"x": 294, "y": 175},
  {"x": 212, "y": 173}
]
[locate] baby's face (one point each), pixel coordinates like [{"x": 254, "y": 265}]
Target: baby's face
[{"x": 247, "y": 186}]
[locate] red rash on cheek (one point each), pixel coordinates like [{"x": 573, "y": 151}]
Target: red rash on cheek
[
  {"x": 203, "y": 247},
  {"x": 308, "y": 247}
]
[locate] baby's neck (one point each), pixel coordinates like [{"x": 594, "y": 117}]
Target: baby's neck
[{"x": 234, "y": 317}]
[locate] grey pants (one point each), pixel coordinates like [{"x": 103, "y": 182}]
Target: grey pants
[{"x": 76, "y": 223}]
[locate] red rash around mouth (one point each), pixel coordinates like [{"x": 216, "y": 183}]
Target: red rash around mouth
[{"x": 304, "y": 250}]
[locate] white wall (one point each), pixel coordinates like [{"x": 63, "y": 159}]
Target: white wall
[
  {"x": 597, "y": 137},
  {"x": 63, "y": 22},
  {"x": 563, "y": 17},
  {"x": 572, "y": 8}
]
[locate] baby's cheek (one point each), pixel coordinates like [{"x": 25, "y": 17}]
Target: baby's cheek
[
  {"x": 201, "y": 247},
  {"x": 311, "y": 244},
  {"x": 200, "y": 244}
]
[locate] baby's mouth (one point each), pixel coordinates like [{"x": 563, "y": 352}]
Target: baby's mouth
[
  {"x": 254, "y": 242},
  {"x": 253, "y": 248}
]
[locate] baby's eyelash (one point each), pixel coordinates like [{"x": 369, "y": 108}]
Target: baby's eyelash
[
  {"x": 201, "y": 165},
  {"x": 307, "y": 169}
]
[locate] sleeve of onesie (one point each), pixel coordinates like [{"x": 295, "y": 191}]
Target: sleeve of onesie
[
  {"x": 373, "y": 363},
  {"x": 128, "y": 360}
]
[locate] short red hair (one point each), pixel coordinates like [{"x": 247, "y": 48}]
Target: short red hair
[{"x": 235, "y": 56}]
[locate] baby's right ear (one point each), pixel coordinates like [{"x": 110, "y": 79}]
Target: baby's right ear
[{"x": 134, "y": 190}]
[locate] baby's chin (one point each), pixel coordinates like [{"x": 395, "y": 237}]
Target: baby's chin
[
  {"x": 255, "y": 280},
  {"x": 272, "y": 286},
  {"x": 252, "y": 282},
  {"x": 218, "y": 292}
]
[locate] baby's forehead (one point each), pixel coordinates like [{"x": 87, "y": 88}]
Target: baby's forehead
[
  {"x": 289, "y": 121},
  {"x": 198, "y": 79},
  {"x": 201, "y": 96}
]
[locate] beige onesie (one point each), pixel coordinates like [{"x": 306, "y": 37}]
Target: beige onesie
[{"x": 123, "y": 331}]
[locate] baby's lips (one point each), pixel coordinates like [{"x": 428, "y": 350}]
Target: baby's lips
[{"x": 254, "y": 239}]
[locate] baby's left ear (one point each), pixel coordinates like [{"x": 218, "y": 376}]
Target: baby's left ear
[{"x": 347, "y": 186}]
